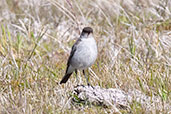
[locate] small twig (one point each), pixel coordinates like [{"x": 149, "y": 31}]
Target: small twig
[
  {"x": 36, "y": 44},
  {"x": 39, "y": 38}
]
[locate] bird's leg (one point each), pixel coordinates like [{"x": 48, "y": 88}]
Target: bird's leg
[
  {"x": 76, "y": 76},
  {"x": 86, "y": 78}
]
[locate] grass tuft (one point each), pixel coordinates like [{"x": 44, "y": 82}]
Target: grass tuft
[{"x": 134, "y": 45}]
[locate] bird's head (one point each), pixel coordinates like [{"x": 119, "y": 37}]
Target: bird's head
[{"x": 86, "y": 32}]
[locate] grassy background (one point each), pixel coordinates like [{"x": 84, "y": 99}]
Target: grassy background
[{"x": 134, "y": 45}]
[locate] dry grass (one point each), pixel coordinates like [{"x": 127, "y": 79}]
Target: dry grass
[{"x": 134, "y": 44}]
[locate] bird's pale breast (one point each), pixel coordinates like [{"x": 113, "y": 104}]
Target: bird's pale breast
[{"x": 85, "y": 54}]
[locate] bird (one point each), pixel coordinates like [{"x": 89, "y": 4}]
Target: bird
[{"x": 83, "y": 54}]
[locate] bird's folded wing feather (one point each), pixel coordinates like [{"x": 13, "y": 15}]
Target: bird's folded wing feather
[{"x": 74, "y": 48}]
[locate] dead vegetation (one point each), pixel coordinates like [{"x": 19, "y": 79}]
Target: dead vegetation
[{"x": 134, "y": 45}]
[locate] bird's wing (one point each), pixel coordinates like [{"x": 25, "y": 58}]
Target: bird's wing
[{"x": 74, "y": 48}]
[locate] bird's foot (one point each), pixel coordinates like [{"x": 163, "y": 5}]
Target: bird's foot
[
  {"x": 89, "y": 85},
  {"x": 79, "y": 85}
]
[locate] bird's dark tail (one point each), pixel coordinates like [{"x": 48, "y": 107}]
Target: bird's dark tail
[{"x": 65, "y": 78}]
